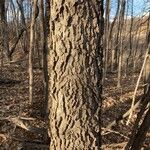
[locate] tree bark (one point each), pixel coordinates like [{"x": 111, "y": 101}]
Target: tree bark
[
  {"x": 140, "y": 129},
  {"x": 44, "y": 26},
  {"x": 3, "y": 22},
  {"x": 120, "y": 51},
  {"x": 31, "y": 51},
  {"x": 147, "y": 65},
  {"x": 141, "y": 134},
  {"x": 75, "y": 74},
  {"x": 106, "y": 37},
  {"x": 26, "y": 36},
  {"x": 110, "y": 35}
]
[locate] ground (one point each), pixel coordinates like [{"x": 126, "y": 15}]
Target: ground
[
  {"x": 30, "y": 128},
  {"x": 116, "y": 102},
  {"x": 14, "y": 102}
]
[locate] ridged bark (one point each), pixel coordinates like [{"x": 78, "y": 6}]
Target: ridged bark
[{"x": 75, "y": 71}]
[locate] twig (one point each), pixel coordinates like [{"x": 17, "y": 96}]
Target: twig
[
  {"x": 138, "y": 120},
  {"x": 35, "y": 144},
  {"x": 21, "y": 118},
  {"x": 121, "y": 117},
  {"x": 18, "y": 122},
  {"x": 4, "y": 118},
  {"x": 25, "y": 118},
  {"x": 112, "y": 131},
  {"x": 114, "y": 145},
  {"x": 3, "y": 136}
]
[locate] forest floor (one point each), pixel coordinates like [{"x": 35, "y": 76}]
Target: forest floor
[
  {"x": 28, "y": 130},
  {"x": 117, "y": 101},
  {"x": 20, "y": 124}
]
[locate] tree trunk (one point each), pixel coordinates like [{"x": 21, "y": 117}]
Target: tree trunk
[
  {"x": 31, "y": 51},
  {"x": 140, "y": 127},
  {"x": 121, "y": 24},
  {"x": 130, "y": 37},
  {"x": 75, "y": 74},
  {"x": 44, "y": 26},
  {"x": 106, "y": 38},
  {"x": 3, "y": 22},
  {"x": 2, "y": 7},
  {"x": 26, "y": 36},
  {"x": 147, "y": 74},
  {"x": 110, "y": 36},
  {"x": 142, "y": 131}
]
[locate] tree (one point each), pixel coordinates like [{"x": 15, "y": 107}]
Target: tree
[
  {"x": 142, "y": 131},
  {"x": 3, "y": 25},
  {"x": 75, "y": 74},
  {"x": 111, "y": 35},
  {"x": 44, "y": 27},
  {"x": 34, "y": 16},
  {"x": 2, "y": 7},
  {"x": 20, "y": 6},
  {"x": 120, "y": 51},
  {"x": 106, "y": 45},
  {"x": 141, "y": 126}
]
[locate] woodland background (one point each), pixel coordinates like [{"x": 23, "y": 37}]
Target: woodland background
[{"x": 24, "y": 28}]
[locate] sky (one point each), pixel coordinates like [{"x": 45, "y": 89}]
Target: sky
[{"x": 139, "y": 7}]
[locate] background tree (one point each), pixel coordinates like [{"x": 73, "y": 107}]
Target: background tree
[
  {"x": 44, "y": 25},
  {"x": 32, "y": 40},
  {"x": 4, "y": 33}
]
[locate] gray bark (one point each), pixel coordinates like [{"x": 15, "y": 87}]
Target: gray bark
[
  {"x": 141, "y": 134},
  {"x": 106, "y": 37},
  {"x": 43, "y": 26},
  {"x": 32, "y": 28},
  {"x": 141, "y": 126},
  {"x": 110, "y": 36},
  {"x": 75, "y": 74},
  {"x": 3, "y": 21},
  {"x": 26, "y": 36},
  {"x": 120, "y": 51}
]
